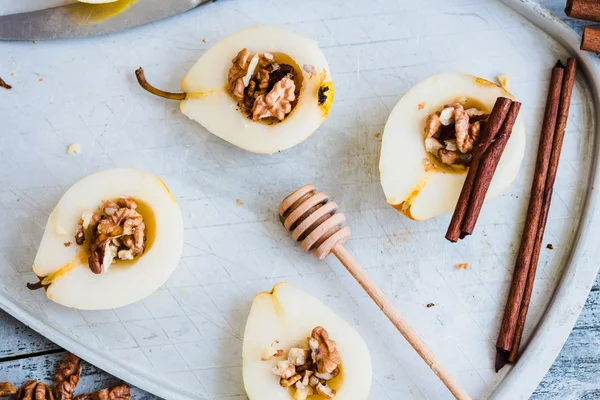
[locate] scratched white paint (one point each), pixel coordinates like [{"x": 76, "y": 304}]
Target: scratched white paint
[{"x": 84, "y": 91}]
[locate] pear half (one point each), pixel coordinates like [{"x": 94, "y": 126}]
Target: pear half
[
  {"x": 288, "y": 315},
  {"x": 411, "y": 183},
  {"x": 206, "y": 100},
  {"x": 62, "y": 265}
]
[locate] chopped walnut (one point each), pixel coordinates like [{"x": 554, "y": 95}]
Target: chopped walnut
[
  {"x": 67, "y": 377},
  {"x": 306, "y": 366},
  {"x": 118, "y": 231},
  {"x": 284, "y": 369},
  {"x": 311, "y": 69},
  {"x": 272, "y": 351},
  {"x": 447, "y": 115},
  {"x": 432, "y": 145},
  {"x": 80, "y": 235},
  {"x": 329, "y": 375},
  {"x": 313, "y": 381},
  {"x": 7, "y": 389},
  {"x": 291, "y": 381},
  {"x": 324, "y": 351},
  {"x": 309, "y": 375},
  {"x": 277, "y": 103},
  {"x": 302, "y": 391},
  {"x": 119, "y": 392},
  {"x": 461, "y": 127},
  {"x": 325, "y": 390},
  {"x": 432, "y": 125},
  {"x": 32, "y": 390},
  {"x": 448, "y": 157},
  {"x": 451, "y": 134},
  {"x": 259, "y": 85},
  {"x": 238, "y": 70},
  {"x": 297, "y": 356},
  {"x": 306, "y": 378}
]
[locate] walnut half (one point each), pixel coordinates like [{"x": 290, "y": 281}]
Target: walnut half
[
  {"x": 7, "y": 389},
  {"x": 324, "y": 351},
  {"x": 32, "y": 390},
  {"x": 67, "y": 377},
  {"x": 119, "y": 392},
  {"x": 277, "y": 103}
]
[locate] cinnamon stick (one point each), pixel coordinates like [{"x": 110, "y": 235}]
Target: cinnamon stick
[
  {"x": 487, "y": 167},
  {"x": 583, "y": 9},
  {"x": 590, "y": 41},
  {"x": 4, "y": 85},
  {"x": 517, "y": 289},
  {"x": 559, "y": 135},
  {"x": 488, "y": 134}
]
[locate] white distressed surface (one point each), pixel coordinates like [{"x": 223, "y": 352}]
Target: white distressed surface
[{"x": 188, "y": 335}]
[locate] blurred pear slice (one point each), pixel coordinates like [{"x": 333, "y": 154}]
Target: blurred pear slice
[
  {"x": 288, "y": 315},
  {"x": 205, "y": 98},
  {"x": 409, "y": 182},
  {"x": 63, "y": 266},
  {"x": 97, "y": 1}
]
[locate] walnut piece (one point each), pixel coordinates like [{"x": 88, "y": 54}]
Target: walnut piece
[
  {"x": 277, "y": 103},
  {"x": 328, "y": 376},
  {"x": 448, "y": 157},
  {"x": 461, "y": 127},
  {"x": 119, "y": 392},
  {"x": 67, "y": 377},
  {"x": 297, "y": 356},
  {"x": 7, "y": 389},
  {"x": 118, "y": 231},
  {"x": 324, "y": 351},
  {"x": 235, "y": 77},
  {"x": 432, "y": 125},
  {"x": 272, "y": 351},
  {"x": 451, "y": 134},
  {"x": 32, "y": 390},
  {"x": 291, "y": 381},
  {"x": 284, "y": 369},
  {"x": 325, "y": 390},
  {"x": 302, "y": 391}
]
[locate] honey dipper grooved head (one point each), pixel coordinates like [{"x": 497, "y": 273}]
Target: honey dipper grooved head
[{"x": 313, "y": 221}]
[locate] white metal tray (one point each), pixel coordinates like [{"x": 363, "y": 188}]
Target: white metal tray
[{"x": 184, "y": 342}]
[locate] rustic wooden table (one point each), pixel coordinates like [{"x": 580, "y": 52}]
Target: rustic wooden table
[{"x": 24, "y": 354}]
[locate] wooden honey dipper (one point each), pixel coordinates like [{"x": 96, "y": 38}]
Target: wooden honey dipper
[{"x": 314, "y": 221}]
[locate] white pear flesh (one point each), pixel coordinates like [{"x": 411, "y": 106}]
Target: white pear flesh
[
  {"x": 209, "y": 103},
  {"x": 73, "y": 284},
  {"x": 422, "y": 193},
  {"x": 289, "y": 315}
]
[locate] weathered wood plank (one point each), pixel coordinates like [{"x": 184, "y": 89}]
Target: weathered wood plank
[
  {"x": 17, "y": 339},
  {"x": 43, "y": 367}
]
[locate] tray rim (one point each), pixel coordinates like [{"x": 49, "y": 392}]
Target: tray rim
[
  {"x": 512, "y": 386},
  {"x": 560, "y": 315}
]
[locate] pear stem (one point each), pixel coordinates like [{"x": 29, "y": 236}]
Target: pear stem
[
  {"x": 35, "y": 286},
  {"x": 141, "y": 78}
]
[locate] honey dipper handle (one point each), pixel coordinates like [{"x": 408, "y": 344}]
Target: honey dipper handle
[{"x": 399, "y": 322}]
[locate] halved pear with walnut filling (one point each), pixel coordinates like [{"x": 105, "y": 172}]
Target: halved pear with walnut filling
[
  {"x": 429, "y": 140},
  {"x": 263, "y": 88},
  {"x": 113, "y": 238},
  {"x": 297, "y": 348}
]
